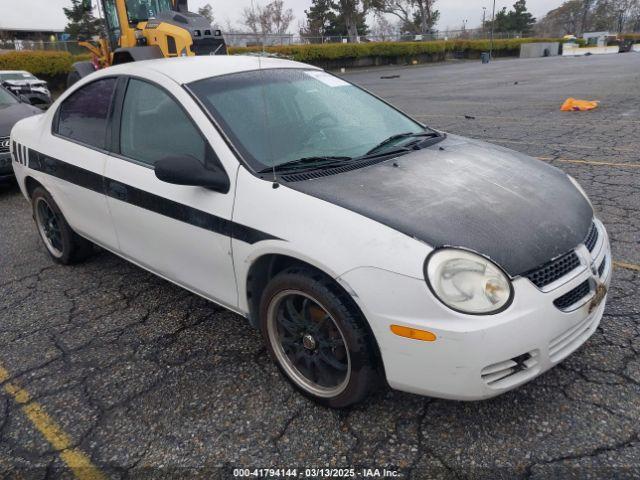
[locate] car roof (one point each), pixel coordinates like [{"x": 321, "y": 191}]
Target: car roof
[
  {"x": 189, "y": 69},
  {"x": 15, "y": 71}
]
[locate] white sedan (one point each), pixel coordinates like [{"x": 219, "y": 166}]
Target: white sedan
[{"x": 364, "y": 245}]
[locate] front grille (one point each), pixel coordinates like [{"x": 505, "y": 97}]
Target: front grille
[
  {"x": 508, "y": 372},
  {"x": 592, "y": 237},
  {"x": 4, "y": 144},
  {"x": 573, "y": 296},
  {"x": 602, "y": 266},
  {"x": 553, "y": 270}
]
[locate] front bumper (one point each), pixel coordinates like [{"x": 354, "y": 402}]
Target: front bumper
[
  {"x": 38, "y": 98},
  {"x": 478, "y": 357}
]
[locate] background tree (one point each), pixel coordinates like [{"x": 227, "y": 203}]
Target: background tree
[
  {"x": 321, "y": 20},
  {"x": 584, "y": 16},
  {"x": 207, "y": 12},
  {"x": 353, "y": 24},
  {"x": 416, "y": 16},
  {"x": 603, "y": 16},
  {"x": 569, "y": 18},
  {"x": 272, "y": 19},
  {"x": 383, "y": 29},
  {"x": 425, "y": 16},
  {"x": 81, "y": 22},
  {"x": 520, "y": 20},
  {"x": 501, "y": 21},
  {"x": 633, "y": 21},
  {"x": 578, "y": 16},
  {"x": 351, "y": 16},
  {"x": 337, "y": 18},
  {"x": 516, "y": 20}
]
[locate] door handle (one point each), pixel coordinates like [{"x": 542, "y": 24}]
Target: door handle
[{"x": 117, "y": 190}]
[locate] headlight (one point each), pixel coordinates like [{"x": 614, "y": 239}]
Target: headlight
[
  {"x": 580, "y": 189},
  {"x": 467, "y": 282}
]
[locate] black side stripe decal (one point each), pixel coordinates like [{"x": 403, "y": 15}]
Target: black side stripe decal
[{"x": 148, "y": 201}]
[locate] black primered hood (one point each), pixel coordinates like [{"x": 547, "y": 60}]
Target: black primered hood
[
  {"x": 10, "y": 114},
  {"x": 519, "y": 211}
]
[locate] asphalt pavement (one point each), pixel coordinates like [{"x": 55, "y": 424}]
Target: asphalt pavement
[{"x": 108, "y": 370}]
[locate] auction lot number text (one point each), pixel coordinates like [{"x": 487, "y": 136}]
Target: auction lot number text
[{"x": 315, "y": 473}]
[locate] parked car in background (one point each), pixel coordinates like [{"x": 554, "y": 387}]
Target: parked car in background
[
  {"x": 23, "y": 83},
  {"x": 11, "y": 110},
  {"x": 364, "y": 244}
]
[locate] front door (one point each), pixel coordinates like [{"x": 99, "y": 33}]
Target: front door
[{"x": 179, "y": 232}]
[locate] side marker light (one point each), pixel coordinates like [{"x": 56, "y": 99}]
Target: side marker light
[{"x": 413, "y": 333}]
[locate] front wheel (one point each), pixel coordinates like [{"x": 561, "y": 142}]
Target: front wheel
[{"x": 318, "y": 338}]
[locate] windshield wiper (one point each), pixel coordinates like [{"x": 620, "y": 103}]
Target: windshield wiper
[
  {"x": 307, "y": 162},
  {"x": 400, "y": 136}
]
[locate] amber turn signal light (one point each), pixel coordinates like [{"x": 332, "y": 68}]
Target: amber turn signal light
[{"x": 413, "y": 333}]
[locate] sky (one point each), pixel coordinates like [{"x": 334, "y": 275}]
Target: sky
[{"x": 47, "y": 14}]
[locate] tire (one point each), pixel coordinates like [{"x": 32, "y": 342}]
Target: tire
[
  {"x": 318, "y": 338},
  {"x": 72, "y": 78},
  {"x": 63, "y": 245},
  {"x": 80, "y": 70}
]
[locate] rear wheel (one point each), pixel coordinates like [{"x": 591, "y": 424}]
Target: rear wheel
[
  {"x": 62, "y": 243},
  {"x": 318, "y": 338}
]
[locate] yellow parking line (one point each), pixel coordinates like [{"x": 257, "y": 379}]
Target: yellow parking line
[
  {"x": 592, "y": 162},
  {"x": 628, "y": 266},
  {"x": 76, "y": 460}
]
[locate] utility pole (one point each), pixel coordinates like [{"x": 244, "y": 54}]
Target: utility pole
[
  {"x": 484, "y": 11},
  {"x": 493, "y": 23}
]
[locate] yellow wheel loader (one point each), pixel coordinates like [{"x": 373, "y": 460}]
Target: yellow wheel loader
[{"x": 145, "y": 29}]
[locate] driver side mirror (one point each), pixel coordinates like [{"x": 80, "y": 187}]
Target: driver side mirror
[{"x": 187, "y": 170}]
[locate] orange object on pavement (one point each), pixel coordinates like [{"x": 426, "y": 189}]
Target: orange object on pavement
[{"x": 575, "y": 105}]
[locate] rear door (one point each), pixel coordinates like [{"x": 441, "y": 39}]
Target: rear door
[
  {"x": 179, "y": 232},
  {"x": 72, "y": 161}
]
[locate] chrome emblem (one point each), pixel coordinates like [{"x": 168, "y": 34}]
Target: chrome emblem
[{"x": 5, "y": 143}]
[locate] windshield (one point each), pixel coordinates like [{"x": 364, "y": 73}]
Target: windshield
[
  {"x": 142, "y": 10},
  {"x": 281, "y": 115},
  {"x": 16, "y": 76},
  {"x": 6, "y": 98}
]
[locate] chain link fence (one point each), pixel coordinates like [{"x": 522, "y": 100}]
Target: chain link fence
[
  {"x": 244, "y": 39},
  {"x": 19, "y": 45}
]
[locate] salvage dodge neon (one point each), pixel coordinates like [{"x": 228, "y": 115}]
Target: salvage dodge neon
[{"x": 364, "y": 245}]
